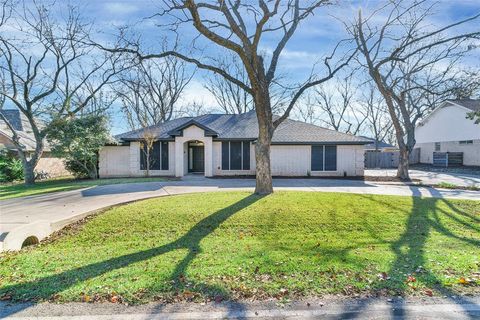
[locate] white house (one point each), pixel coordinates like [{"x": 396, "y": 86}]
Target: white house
[
  {"x": 223, "y": 145},
  {"x": 447, "y": 129}
]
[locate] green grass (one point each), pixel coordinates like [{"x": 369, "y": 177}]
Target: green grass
[
  {"x": 236, "y": 245},
  {"x": 15, "y": 190}
]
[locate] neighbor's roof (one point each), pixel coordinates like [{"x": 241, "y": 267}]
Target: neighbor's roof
[
  {"x": 22, "y": 126},
  {"x": 381, "y": 144},
  {"x": 245, "y": 126},
  {"x": 472, "y": 104}
]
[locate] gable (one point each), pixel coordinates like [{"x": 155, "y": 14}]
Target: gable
[{"x": 447, "y": 123}]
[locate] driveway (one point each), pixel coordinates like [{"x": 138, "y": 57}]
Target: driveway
[
  {"x": 432, "y": 177},
  {"x": 42, "y": 214}
]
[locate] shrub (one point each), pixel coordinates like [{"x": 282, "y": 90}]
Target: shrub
[{"x": 11, "y": 169}]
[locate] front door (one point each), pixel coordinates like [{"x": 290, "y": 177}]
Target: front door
[{"x": 196, "y": 159}]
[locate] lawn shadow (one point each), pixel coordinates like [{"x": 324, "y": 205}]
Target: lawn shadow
[
  {"x": 57, "y": 283},
  {"x": 410, "y": 259}
]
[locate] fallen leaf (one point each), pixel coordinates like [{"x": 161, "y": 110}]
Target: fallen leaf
[
  {"x": 464, "y": 281},
  {"x": 429, "y": 292},
  {"x": 411, "y": 279}
]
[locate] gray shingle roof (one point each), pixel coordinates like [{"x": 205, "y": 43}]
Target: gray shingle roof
[
  {"x": 472, "y": 104},
  {"x": 245, "y": 126},
  {"x": 21, "y": 124}
]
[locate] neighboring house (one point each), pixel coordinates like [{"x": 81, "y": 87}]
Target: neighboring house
[
  {"x": 375, "y": 145},
  {"x": 54, "y": 166},
  {"x": 447, "y": 129},
  {"x": 224, "y": 145}
]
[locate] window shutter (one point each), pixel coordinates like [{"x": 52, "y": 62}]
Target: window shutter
[
  {"x": 225, "y": 156},
  {"x": 330, "y": 158},
  {"x": 246, "y": 155},
  {"x": 164, "y": 155},
  {"x": 317, "y": 158}
]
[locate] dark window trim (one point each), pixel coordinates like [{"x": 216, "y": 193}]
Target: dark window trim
[
  {"x": 242, "y": 154},
  {"x": 161, "y": 165},
  {"x": 323, "y": 158}
]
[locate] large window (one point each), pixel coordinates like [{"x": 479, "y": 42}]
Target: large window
[
  {"x": 324, "y": 158},
  {"x": 466, "y": 142},
  {"x": 235, "y": 155},
  {"x": 158, "y": 156}
]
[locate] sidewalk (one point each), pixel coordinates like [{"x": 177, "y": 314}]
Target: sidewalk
[{"x": 328, "y": 308}]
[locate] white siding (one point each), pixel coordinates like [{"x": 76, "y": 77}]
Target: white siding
[
  {"x": 295, "y": 160},
  {"x": 124, "y": 161},
  {"x": 471, "y": 152},
  {"x": 448, "y": 123},
  {"x": 114, "y": 161},
  {"x": 290, "y": 160}
]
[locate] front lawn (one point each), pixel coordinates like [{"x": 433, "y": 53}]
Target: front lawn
[
  {"x": 16, "y": 190},
  {"x": 235, "y": 245}
]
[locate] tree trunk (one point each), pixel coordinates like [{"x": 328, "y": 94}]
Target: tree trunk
[
  {"x": 402, "y": 171},
  {"x": 28, "y": 172},
  {"x": 262, "y": 147},
  {"x": 264, "y": 174}
]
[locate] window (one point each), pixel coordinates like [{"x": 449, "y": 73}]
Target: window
[
  {"x": 235, "y": 155},
  {"x": 324, "y": 158},
  {"x": 158, "y": 156},
  {"x": 466, "y": 142},
  {"x": 437, "y": 146}
]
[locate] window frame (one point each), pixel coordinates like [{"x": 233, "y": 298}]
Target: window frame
[
  {"x": 324, "y": 165},
  {"x": 465, "y": 142},
  {"x": 161, "y": 165},
  {"x": 244, "y": 166},
  {"x": 437, "y": 146}
]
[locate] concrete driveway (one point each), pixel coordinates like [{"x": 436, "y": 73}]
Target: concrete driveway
[
  {"x": 431, "y": 177},
  {"x": 41, "y": 215}
]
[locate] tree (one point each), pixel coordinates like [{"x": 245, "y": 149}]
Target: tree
[
  {"x": 148, "y": 140},
  {"x": 376, "y": 116},
  {"x": 239, "y": 28},
  {"x": 231, "y": 98},
  {"x": 78, "y": 140},
  {"x": 336, "y": 105},
  {"x": 50, "y": 70},
  {"x": 402, "y": 56},
  {"x": 150, "y": 91}
]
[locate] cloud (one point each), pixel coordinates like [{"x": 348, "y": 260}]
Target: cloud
[{"x": 120, "y": 8}]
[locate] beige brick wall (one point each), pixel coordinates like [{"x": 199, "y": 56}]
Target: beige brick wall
[{"x": 54, "y": 166}]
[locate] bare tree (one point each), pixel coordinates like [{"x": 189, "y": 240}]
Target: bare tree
[
  {"x": 376, "y": 115},
  {"x": 148, "y": 140},
  {"x": 48, "y": 67},
  {"x": 403, "y": 57},
  {"x": 150, "y": 91},
  {"x": 231, "y": 98},
  {"x": 336, "y": 106},
  {"x": 239, "y": 28}
]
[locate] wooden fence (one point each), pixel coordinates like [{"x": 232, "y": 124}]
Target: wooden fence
[{"x": 386, "y": 160}]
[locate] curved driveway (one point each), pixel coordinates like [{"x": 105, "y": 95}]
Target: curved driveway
[{"x": 62, "y": 208}]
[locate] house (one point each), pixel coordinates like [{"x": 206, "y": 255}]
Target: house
[
  {"x": 47, "y": 163},
  {"x": 223, "y": 145},
  {"x": 447, "y": 129},
  {"x": 376, "y": 145}
]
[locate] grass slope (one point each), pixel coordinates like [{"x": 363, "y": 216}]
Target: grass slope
[
  {"x": 8, "y": 191},
  {"x": 237, "y": 245}
]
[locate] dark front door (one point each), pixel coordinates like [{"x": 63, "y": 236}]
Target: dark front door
[{"x": 197, "y": 156}]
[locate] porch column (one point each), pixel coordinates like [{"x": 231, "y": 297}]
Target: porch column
[{"x": 179, "y": 149}]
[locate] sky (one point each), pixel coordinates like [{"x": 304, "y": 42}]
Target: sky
[{"x": 314, "y": 38}]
